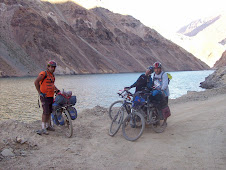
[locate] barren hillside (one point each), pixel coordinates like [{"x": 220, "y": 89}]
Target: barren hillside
[
  {"x": 221, "y": 61},
  {"x": 81, "y": 41}
]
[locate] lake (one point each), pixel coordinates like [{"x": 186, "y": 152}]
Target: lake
[{"x": 19, "y": 98}]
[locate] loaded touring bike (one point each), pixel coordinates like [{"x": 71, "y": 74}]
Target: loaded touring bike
[
  {"x": 64, "y": 112},
  {"x": 140, "y": 112},
  {"x": 66, "y": 125}
]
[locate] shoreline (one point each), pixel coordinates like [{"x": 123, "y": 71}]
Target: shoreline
[
  {"x": 28, "y": 76},
  {"x": 27, "y": 150},
  {"x": 195, "y": 136}
]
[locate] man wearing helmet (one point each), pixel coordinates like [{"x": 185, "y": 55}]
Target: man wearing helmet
[
  {"x": 45, "y": 87},
  {"x": 160, "y": 81},
  {"x": 144, "y": 80}
]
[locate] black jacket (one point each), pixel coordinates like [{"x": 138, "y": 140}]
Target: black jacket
[{"x": 141, "y": 82}]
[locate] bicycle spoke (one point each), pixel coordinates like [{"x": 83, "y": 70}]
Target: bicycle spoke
[
  {"x": 116, "y": 122},
  {"x": 68, "y": 124},
  {"x": 113, "y": 109},
  {"x": 133, "y": 126}
]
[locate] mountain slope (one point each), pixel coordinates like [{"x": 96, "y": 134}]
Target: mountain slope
[
  {"x": 81, "y": 41},
  {"x": 206, "y": 38},
  {"x": 222, "y": 61}
]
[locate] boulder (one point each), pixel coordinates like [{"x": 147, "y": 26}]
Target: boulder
[
  {"x": 215, "y": 80},
  {"x": 7, "y": 152}
]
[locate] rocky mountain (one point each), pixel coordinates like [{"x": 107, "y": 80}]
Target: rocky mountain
[
  {"x": 221, "y": 61},
  {"x": 204, "y": 38},
  {"x": 216, "y": 79},
  {"x": 81, "y": 41}
]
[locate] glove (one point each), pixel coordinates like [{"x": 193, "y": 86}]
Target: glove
[
  {"x": 155, "y": 92},
  {"x": 127, "y": 88},
  {"x": 42, "y": 95}
]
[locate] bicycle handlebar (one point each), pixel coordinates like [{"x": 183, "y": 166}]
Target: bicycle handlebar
[{"x": 125, "y": 90}]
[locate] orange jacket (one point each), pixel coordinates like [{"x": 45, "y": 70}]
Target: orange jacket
[{"x": 47, "y": 85}]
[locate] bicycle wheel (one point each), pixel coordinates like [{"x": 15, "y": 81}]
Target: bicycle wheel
[
  {"x": 159, "y": 125},
  {"x": 117, "y": 121},
  {"x": 51, "y": 121},
  {"x": 113, "y": 109},
  {"x": 68, "y": 128},
  {"x": 133, "y": 126}
]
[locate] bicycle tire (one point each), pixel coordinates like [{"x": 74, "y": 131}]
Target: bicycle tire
[
  {"x": 51, "y": 121},
  {"x": 68, "y": 124},
  {"x": 116, "y": 122},
  {"x": 112, "y": 109},
  {"x": 159, "y": 127},
  {"x": 128, "y": 130}
]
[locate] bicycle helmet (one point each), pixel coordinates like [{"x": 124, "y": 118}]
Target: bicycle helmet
[
  {"x": 157, "y": 65},
  {"x": 52, "y": 63},
  {"x": 151, "y": 68}
]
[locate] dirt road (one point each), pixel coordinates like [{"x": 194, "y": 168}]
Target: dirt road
[{"x": 194, "y": 139}]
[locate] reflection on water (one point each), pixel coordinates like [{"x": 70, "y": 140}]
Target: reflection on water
[{"x": 19, "y": 98}]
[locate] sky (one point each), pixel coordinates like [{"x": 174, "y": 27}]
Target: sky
[{"x": 165, "y": 16}]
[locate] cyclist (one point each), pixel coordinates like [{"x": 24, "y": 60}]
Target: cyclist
[
  {"x": 160, "y": 84},
  {"x": 45, "y": 87},
  {"x": 145, "y": 80}
]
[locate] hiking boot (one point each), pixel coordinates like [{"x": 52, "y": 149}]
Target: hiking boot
[
  {"x": 164, "y": 123},
  {"x": 42, "y": 131},
  {"x": 50, "y": 128},
  {"x": 39, "y": 132}
]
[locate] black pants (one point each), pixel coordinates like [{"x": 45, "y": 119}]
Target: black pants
[{"x": 160, "y": 100}]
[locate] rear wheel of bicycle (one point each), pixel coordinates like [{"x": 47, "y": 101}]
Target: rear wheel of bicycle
[
  {"x": 160, "y": 125},
  {"x": 133, "y": 126},
  {"x": 117, "y": 121},
  {"x": 113, "y": 109},
  {"x": 68, "y": 128}
]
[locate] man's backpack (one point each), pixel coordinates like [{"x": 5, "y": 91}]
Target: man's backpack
[
  {"x": 45, "y": 77},
  {"x": 168, "y": 75}
]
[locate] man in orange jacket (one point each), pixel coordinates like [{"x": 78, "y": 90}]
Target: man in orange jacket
[{"x": 45, "y": 87}]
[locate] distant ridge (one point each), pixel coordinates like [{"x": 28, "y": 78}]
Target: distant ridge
[
  {"x": 196, "y": 26},
  {"x": 206, "y": 38}
]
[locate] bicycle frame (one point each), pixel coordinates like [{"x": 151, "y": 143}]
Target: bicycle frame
[
  {"x": 63, "y": 108},
  {"x": 126, "y": 95},
  {"x": 126, "y": 105},
  {"x": 150, "y": 109}
]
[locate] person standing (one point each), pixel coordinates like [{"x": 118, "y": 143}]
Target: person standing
[
  {"x": 45, "y": 87},
  {"x": 160, "y": 84}
]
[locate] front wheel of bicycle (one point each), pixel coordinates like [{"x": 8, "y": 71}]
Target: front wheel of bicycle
[
  {"x": 117, "y": 121},
  {"x": 113, "y": 109},
  {"x": 133, "y": 126},
  {"x": 68, "y": 128}
]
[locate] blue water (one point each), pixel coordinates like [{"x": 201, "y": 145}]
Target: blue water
[
  {"x": 18, "y": 97},
  {"x": 102, "y": 89}
]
